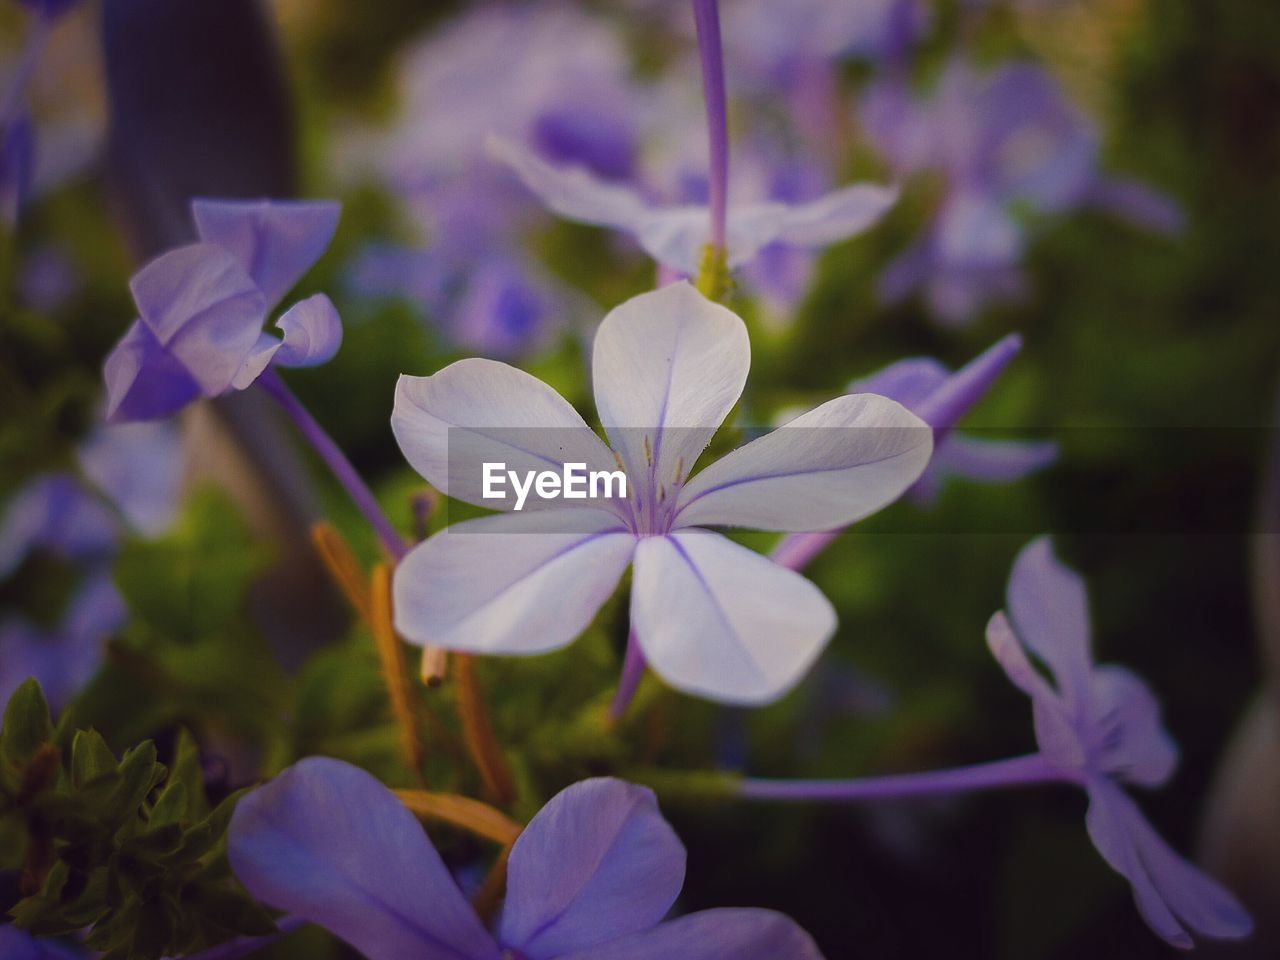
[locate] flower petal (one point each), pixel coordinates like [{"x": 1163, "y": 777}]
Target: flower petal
[
  {"x": 723, "y": 934},
  {"x": 668, "y": 367},
  {"x": 1134, "y": 744},
  {"x": 515, "y": 583},
  {"x": 312, "y": 332},
  {"x": 571, "y": 192},
  {"x": 144, "y": 381},
  {"x": 908, "y": 381},
  {"x": 257, "y": 361},
  {"x": 327, "y": 842},
  {"x": 598, "y": 862},
  {"x": 1171, "y": 894},
  {"x": 718, "y": 620},
  {"x": 1049, "y": 609},
  {"x": 839, "y": 215},
  {"x": 827, "y": 468},
  {"x": 992, "y": 461},
  {"x": 275, "y": 241},
  {"x": 479, "y": 411},
  {"x": 203, "y": 309}
]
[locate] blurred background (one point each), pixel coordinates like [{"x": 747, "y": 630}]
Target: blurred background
[{"x": 1130, "y": 150}]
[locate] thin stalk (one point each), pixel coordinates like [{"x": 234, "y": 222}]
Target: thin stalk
[
  {"x": 711, "y": 52},
  {"x": 633, "y": 667}
]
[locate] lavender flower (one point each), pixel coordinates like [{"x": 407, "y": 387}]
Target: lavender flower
[
  {"x": 712, "y": 618},
  {"x": 202, "y": 307},
  {"x": 676, "y": 236},
  {"x": 592, "y": 876},
  {"x": 926, "y": 388},
  {"x": 1009, "y": 144}
]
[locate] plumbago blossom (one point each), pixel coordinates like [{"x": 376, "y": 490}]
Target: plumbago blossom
[
  {"x": 591, "y": 877},
  {"x": 711, "y": 617},
  {"x": 940, "y": 398},
  {"x": 1008, "y": 144},
  {"x": 202, "y": 308},
  {"x": 1097, "y": 727},
  {"x": 676, "y": 236}
]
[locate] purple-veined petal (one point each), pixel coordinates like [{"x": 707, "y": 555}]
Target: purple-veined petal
[
  {"x": 1171, "y": 894},
  {"x": 720, "y": 621},
  {"x": 275, "y": 241},
  {"x": 1132, "y": 743},
  {"x": 839, "y": 215},
  {"x": 515, "y": 583},
  {"x": 312, "y": 332},
  {"x": 908, "y": 381},
  {"x": 825, "y": 469},
  {"x": 668, "y": 367},
  {"x": 1057, "y": 735},
  {"x": 571, "y": 192},
  {"x": 479, "y": 411},
  {"x": 1049, "y": 609},
  {"x": 143, "y": 380},
  {"x": 723, "y": 934},
  {"x": 203, "y": 309},
  {"x": 993, "y": 461},
  {"x": 330, "y": 844},
  {"x": 598, "y": 862}
]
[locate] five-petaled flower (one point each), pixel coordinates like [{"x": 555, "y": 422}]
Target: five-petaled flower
[
  {"x": 202, "y": 308},
  {"x": 711, "y": 617},
  {"x": 1099, "y": 726},
  {"x": 592, "y": 876}
]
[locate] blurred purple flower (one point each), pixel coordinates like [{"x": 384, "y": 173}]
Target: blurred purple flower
[
  {"x": 56, "y": 513},
  {"x": 675, "y": 236},
  {"x": 139, "y": 468},
  {"x": 203, "y": 306},
  {"x": 1009, "y": 145},
  {"x": 1100, "y": 727},
  {"x": 17, "y": 944},
  {"x": 49, "y": 279},
  {"x": 707, "y": 613},
  {"x": 592, "y": 876},
  {"x": 926, "y": 388},
  {"x": 49, "y": 9}
]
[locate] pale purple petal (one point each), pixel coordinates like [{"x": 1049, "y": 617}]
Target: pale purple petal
[
  {"x": 327, "y": 842},
  {"x": 1132, "y": 743},
  {"x": 1171, "y": 894},
  {"x": 143, "y": 381},
  {"x": 992, "y": 461},
  {"x": 723, "y": 934},
  {"x": 203, "y": 309},
  {"x": 839, "y": 215},
  {"x": 825, "y": 469},
  {"x": 312, "y": 333},
  {"x": 1138, "y": 204},
  {"x": 515, "y": 583},
  {"x": 1049, "y": 609},
  {"x": 961, "y": 391},
  {"x": 275, "y": 241},
  {"x": 480, "y": 411},
  {"x": 571, "y": 192},
  {"x": 668, "y": 367},
  {"x": 256, "y": 362},
  {"x": 139, "y": 467},
  {"x": 598, "y": 862},
  {"x": 55, "y": 512},
  {"x": 909, "y": 381},
  {"x": 720, "y": 621}
]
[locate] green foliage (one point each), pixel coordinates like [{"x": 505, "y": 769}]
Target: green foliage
[{"x": 129, "y": 848}]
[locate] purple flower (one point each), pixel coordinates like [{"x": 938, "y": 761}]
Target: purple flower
[
  {"x": 938, "y": 396},
  {"x": 676, "y": 236},
  {"x": 1009, "y": 144},
  {"x": 592, "y": 876},
  {"x": 1100, "y": 726},
  {"x": 202, "y": 308},
  {"x": 17, "y": 944},
  {"x": 57, "y": 514},
  {"x": 712, "y": 617}
]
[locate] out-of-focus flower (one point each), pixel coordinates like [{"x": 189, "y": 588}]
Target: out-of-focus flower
[
  {"x": 712, "y": 617},
  {"x": 55, "y": 513},
  {"x": 1100, "y": 726},
  {"x": 17, "y": 944},
  {"x": 592, "y": 876},
  {"x": 1009, "y": 146},
  {"x": 202, "y": 308},
  {"x": 676, "y": 236},
  {"x": 929, "y": 390}
]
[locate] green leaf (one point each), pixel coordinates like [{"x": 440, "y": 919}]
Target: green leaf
[
  {"x": 26, "y": 728},
  {"x": 92, "y": 761}
]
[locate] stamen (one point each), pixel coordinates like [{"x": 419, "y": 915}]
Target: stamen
[{"x": 395, "y": 669}]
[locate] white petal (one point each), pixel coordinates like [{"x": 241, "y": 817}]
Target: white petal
[
  {"x": 515, "y": 583},
  {"x": 571, "y": 192},
  {"x": 720, "y": 621},
  {"x": 834, "y": 465},
  {"x": 838, "y": 216},
  {"x": 668, "y": 367},
  {"x": 481, "y": 411}
]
